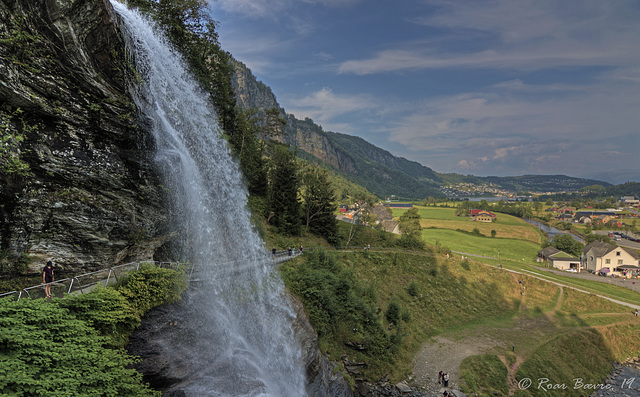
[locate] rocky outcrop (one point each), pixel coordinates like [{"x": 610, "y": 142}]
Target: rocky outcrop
[
  {"x": 90, "y": 198},
  {"x": 323, "y": 379}
]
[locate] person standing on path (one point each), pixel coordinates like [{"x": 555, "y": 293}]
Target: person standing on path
[
  {"x": 439, "y": 377},
  {"x": 445, "y": 378},
  {"x": 47, "y": 278}
]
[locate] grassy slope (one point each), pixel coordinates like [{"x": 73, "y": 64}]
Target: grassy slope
[{"x": 454, "y": 301}]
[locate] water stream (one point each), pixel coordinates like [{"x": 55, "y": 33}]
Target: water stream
[
  {"x": 551, "y": 231},
  {"x": 243, "y": 319}
]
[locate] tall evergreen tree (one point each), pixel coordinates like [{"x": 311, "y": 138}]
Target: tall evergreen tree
[
  {"x": 284, "y": 207},
  {"x": 318, "y": 204},
  {"x": 244, "y": 144},
  {"x": 409, "y": 224}
]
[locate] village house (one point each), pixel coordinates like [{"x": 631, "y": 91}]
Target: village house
[
  {"x": 564, "y": 217},
  {"x": 601, "y": 257},
  {"x": 482, "y": 215},
  {"x": 558, "y": 259},
  {"x": 585, "y": 220},
  {"x": 629, "y": 201}
]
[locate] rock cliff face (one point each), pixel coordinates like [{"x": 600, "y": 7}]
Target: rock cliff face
[
  {"x": 372, "y": 167},
  {"x": 304, "y": 134},
  {"x": 91, "y": 198}
]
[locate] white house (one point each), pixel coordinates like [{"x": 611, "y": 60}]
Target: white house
[
  {"x": 558, "y": 259},
  {"x": 599, "y": 256}
]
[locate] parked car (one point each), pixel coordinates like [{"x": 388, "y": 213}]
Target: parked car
[{"x": 571, "y": 270}]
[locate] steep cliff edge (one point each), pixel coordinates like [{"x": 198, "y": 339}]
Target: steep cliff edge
[
  {"x": 90, "y": 198},
  {"x": 361, "y": 162}
]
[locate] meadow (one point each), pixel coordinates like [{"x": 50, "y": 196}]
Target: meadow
[{"x": 505, "y": 226}]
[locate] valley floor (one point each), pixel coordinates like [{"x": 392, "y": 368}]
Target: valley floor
[{"x": 512, "y": 341}]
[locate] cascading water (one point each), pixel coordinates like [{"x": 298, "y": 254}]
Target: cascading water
[{"x": 243, "y": 318}]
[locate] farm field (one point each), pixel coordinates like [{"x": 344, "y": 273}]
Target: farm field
[
  {"x": 510, "y": 249},
  {"x": 513, "y": 235}
]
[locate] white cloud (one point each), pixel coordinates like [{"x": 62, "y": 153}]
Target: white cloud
[
  {"x": 273, "y": 8},
  {"x": 521, "y": 35},
  {"x": 324, "y": 105},
  {"x": 253, "y": 8},
  {"x": 493, "y": 130}
]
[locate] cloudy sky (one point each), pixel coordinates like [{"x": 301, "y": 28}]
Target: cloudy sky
[{"x": 498, "y": 87}]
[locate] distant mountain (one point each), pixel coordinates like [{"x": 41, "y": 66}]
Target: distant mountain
[
  {"x": 374, "y": 168},
  {"x": 620, "y": 176},
  {"x": 543, "y": 183}
]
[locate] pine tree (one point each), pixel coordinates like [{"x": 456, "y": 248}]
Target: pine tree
[
  {"x": 318, "y": 204},
  {"x": 284, "y": 207}
]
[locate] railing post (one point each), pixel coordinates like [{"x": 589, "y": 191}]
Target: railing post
[
  {"x": 81, "y": 290},
  {"x": 70, "y": 285},
  {"x": 108, "y": 278}
]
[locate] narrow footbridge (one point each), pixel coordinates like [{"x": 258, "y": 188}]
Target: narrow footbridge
[{"x": 86, "y": 282}]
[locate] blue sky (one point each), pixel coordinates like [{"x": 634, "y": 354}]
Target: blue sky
[{"x": 501, "y": 87}]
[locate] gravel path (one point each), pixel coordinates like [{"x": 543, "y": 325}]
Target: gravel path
[{"x": 443, "y": 354}]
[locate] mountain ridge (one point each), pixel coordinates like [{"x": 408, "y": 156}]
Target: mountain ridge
[{"x": 375, "y": 168}]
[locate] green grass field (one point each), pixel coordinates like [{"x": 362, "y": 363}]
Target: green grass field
[
  {"x": 515, "y": 250},
  {"x": 505, "y": 226}
]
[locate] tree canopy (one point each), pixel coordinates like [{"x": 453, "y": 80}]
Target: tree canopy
[{"x": 566, "y": 243}]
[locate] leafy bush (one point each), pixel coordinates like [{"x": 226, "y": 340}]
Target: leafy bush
[
  {"x": 151, "y": 286},
  {"x": 72, "y": 346},
  {"x": 411, "y": 242},
  {"x": 47, "y": 350},
  {"x": 341, "y": 313},
  {"x": 107, "y": 311},
  {"x": 412, "y": 289},
  {"x": 393, "y": 312},
  {"x": 465, "y": 264}
]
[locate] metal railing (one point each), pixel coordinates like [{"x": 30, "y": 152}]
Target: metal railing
[{"x": 87, "y": 281}]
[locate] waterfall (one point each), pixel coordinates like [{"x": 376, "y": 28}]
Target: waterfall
[{"x": 243, "y": 317}]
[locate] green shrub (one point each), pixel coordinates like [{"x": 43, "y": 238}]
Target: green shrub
[
  {"x": 151, "y": 286},
  {"x": 341, "y": 313},
  {"x": 393, "y": 312},
  {"x": 107, "y": 311},
  {"x": 412, "y": 289},
  {"x": 465, "y": 264},
  {"x": 47, "y": 350}
]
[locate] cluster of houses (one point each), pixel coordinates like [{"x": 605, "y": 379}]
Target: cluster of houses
[
  {"x": 597, "y": 257},
  {"x": 609, "y": 218}
]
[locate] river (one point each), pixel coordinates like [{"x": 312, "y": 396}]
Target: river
[{"x": 551, "y": 231}]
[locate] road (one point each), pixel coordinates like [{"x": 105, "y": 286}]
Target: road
[
  {"x": 584, "y": 275},
  {"x": 623, "y": 243}
]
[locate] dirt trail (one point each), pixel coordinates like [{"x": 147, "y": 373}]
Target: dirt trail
[
  {"x": 444, "y": 354},
  {"x": 511, "y": 375}
]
